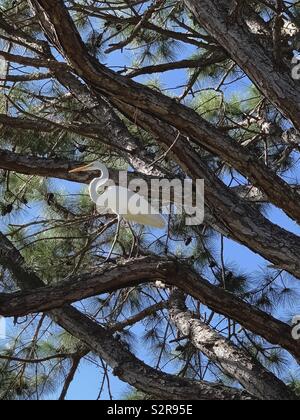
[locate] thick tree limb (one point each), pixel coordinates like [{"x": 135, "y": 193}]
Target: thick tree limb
[
  {"x": 150, "y": 269},
  {"x": 54, "y": 15},
  {"x": 234, "y": 361},
  {"x": 198, "y": 63},
  {"x": 125, "y": 365},
  {"x": 26, "y": 77},
  {"x": 247, "y": 222},
  {"x": 33, "y": 61},
  {"x": 256, "y": 232},
  {"x": 237, "y": 219},
  {"x": 131, "y": 370},
  {"x": 54, "y": 168},
  {"x": 273, "y": 79}
]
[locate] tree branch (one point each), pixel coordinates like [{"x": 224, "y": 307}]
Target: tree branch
[
  {"x": 53, "y": 14},
  {"x": 131, "y": 370},
  {"x": 149, "y": 269},
  {"x": 233, "y": 360},
  {"x": 257, "y": 61},
  {"x": 124, "y": 364}
]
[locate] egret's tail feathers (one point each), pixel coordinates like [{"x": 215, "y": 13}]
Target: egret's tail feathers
[{"x": 156, "y": 221}]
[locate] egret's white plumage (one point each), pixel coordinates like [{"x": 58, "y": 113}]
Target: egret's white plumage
[{"x": 115, "y": 199}]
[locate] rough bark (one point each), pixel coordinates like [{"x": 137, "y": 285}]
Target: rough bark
[
  {"x": 136, "y": 373},
  {"x": 150, "y": 269},
  {"x": 237, "y": 219},
  {"x": 47, "y": 167},
  {"x": 58, "y": 25},
  {"x": 235, "y": 362},
  {"x": 239, "y": 222},
  {"x": 90, "y": 83},
  {"x": 59, "y": 168},
  {"x": 272, "y": 78},
  {"x": 199, "y": 64},
  {"x": 124, "y": 364}
]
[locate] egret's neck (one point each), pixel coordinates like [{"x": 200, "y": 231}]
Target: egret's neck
[{"x": 96, "y": 188}]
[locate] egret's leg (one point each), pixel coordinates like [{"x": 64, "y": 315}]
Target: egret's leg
[
  {"x": 135, "y": 240},
  {"x": 115, "y": 240},
  {"x": 139, "y": 238}
]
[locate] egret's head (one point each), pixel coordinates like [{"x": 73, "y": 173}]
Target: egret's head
[
  {"x": 87, "y": 168},
  {"x": 97, "y": 184}
]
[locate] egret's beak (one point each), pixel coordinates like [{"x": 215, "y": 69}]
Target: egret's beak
[{"x": 81, "y": 169}]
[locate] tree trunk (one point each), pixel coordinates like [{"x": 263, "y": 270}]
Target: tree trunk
[
  {"x": 273, "y": 78},
  {"x": 234, "y": 361}
]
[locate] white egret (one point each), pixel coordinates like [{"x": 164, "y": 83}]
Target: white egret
[{"x": 116, "y": 200}]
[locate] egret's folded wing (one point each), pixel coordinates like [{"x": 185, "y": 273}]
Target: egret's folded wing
[{"x": 153, "y": 220}]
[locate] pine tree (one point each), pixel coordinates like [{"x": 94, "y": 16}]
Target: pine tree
[{"x": 160, "y": 89}]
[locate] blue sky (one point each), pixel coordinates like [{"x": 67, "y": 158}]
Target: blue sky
[
  {"x": 247, "y": 261},
  {"x": 86, "y": 384},
  {"x": 87, "y": 381}
]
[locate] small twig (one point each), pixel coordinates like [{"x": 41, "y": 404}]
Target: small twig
[
  {"x": 115, "y": 240},
  {"x": 148, "y": 14},
  {"x": 165, "y": 154},
  {"x": 178, "y": 340}
]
